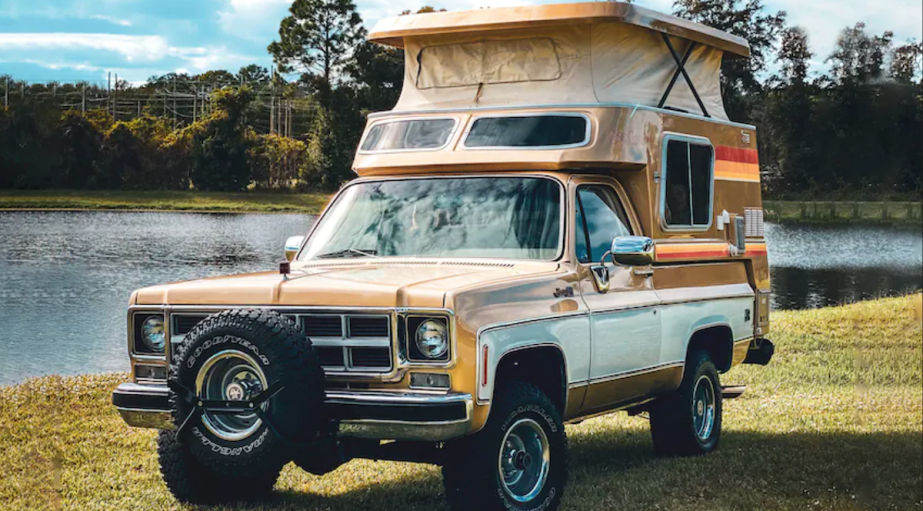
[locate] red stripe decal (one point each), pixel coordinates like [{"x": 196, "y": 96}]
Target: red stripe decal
[{"x": 738, "y": 154}]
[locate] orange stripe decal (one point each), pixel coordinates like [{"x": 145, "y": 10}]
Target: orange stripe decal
[
  {"x": 737, "y": 171},
  {"x": 700, "y": 251}
]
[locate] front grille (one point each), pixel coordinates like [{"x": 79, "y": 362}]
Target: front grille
[
  {"x": 371, "y": 358},
  {"x": 372, "y": 326},
  {"x": 322, "y": 326},
  {"x": 346, "y": 342},
  {"x": 183, "y": 324}
]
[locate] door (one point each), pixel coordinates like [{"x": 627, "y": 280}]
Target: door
[{"x": 625, "y": 319}]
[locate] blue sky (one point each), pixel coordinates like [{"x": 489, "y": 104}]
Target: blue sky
[{"x": 69, "y": 40}]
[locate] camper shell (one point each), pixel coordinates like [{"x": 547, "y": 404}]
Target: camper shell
[{"x": 597, "y": 127}]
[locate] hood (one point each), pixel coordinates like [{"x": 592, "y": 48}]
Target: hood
[{"x": 365, "y": 284}]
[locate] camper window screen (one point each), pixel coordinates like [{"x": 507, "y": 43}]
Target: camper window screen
[
  {"x": 687, "y": 191},
  {"x": 421, "y": 134},
  {"x": 553, "y": 131}
]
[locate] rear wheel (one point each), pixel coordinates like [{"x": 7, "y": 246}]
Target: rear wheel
[
  {"x": 518, "y": 461},
  {"x": 688, "y": 422}
]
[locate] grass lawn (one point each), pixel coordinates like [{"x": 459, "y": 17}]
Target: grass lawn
[
  {"x": 310, "y": 203},
  {"x": 832, "y": 212},
  {"x": 834, "y": 423}
]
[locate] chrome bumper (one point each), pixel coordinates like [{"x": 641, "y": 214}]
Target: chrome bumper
[{"x": 368, "y": 415}]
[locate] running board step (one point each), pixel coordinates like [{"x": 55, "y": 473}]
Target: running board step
[{"x": 733, "y": 392}]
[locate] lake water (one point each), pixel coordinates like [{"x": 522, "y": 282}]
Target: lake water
[{"x": 65, "y": 277}]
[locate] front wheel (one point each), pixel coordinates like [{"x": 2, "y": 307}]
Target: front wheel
[
  {"x": 688, "y": 422},
  {"x": 518, "y": 461}
]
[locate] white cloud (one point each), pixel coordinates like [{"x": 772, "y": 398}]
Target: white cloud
[
  {"x": 112, "y": 19},
  {"x": 134, "y": 48},
  {"x": 256, "y": 20}
]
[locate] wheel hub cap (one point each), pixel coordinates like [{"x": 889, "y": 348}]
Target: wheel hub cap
[
  {"x": 704, "y": 408},
  {"x": 525, "y": 460},
  {"x": 231, "y": 376}
]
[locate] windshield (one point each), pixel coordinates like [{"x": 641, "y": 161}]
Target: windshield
[{"x": 509, "y": 218}]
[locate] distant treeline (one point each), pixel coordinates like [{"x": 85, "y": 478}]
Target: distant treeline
[{"x": 853, "y": 133}]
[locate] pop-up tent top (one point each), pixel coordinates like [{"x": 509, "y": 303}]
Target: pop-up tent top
[{"x": 559, "y": 55}]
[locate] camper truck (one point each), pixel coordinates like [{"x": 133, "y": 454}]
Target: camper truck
[{"x": 556, "y": 221}]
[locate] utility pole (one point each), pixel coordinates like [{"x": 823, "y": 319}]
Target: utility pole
[
  {"x": 195, "y": 102},
  {"x": 115, "y": 99},
  {"x": 174, "y": 101},
  {"x": 83, "y": 99},
  {"x": 6, "y": 95},
  {"x": 108, "y": 91}
]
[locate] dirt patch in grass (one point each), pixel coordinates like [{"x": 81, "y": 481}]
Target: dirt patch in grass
[{"x": 834, "y": 423}]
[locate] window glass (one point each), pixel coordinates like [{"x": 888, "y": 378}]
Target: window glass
[
  {"x": 688, "y": 184},
  {"x": 538, "y": 131},
  {"x": 409, "y": 135},
  {"x": 603, "y": 218},
  {"x": 517, "y": 218}
]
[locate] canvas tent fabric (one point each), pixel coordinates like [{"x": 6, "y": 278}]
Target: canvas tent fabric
[{"x": 609, "y": 62}]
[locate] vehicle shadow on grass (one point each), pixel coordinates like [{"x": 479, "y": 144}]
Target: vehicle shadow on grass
[{"x": 617, "y": 469}]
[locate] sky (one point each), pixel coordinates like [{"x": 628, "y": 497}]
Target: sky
[{"x": 71, "y": 40}]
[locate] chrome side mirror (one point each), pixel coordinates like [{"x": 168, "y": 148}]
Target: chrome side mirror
[
  {"x": 292, "y": 246},
  {"x": 632, "y": 251}
]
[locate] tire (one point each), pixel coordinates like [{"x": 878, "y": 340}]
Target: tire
[
  {"x": 679, "y": 422},
  {"x": 521, "y": 415},
  {"x": 236, "y": 355},
  {"x": 191, "y": 482}
]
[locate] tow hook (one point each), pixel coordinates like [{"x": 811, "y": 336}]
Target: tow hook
[{"x": 761, "y": 352}]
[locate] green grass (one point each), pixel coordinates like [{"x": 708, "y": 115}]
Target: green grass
[
  {"x": 833, "y": 212},
  {"x": 310, "y": 203},
  {"x": 834, "y": 423}
]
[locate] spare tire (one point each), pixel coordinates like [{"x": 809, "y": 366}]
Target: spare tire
[{"x": 234, "y": 356}]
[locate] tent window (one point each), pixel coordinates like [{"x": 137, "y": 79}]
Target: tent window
[
  {"x": 411, "y": 135},
  {"x": 540, "y": 131},
  {"x": 688, "y": 185},
  {"x": 488, "y": 62}
]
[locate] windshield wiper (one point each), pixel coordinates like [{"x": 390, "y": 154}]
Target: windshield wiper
[{"x": 349, "y": 252}]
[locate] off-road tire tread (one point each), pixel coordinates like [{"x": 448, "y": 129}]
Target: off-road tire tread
[
  {"x": 191, "y": 482},
  {"x": 467, "y": 473},
  {"x": 671, "y": 417},
  {"x": 300, "y": 368}
]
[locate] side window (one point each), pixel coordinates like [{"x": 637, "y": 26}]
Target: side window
[
  {"x": 687, "y": 190},
  {"x": 600, "y": 218}
]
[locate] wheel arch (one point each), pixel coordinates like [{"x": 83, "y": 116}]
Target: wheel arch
[
  {"x": 543, "y": 365},
  {"x": 715, "y": 338}
]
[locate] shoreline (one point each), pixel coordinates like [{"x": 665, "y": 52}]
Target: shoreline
[
  {"x": 65, "y": 446},
  {"x": 792, "y": 212}
]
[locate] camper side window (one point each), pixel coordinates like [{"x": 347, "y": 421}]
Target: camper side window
[{"x": 687, "y": 189}]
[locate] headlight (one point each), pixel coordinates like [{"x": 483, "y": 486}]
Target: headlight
[
  {"x": 432, "y": 339},
  {"x": 153, "y": 334}
]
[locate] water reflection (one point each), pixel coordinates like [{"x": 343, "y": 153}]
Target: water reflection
[
  {"x": 820, "y": 266},
  {"x": 65, "y": 277}
]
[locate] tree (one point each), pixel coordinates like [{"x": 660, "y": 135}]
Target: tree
[
  {"x": 219, "y": 151},
  {"x": 378, "y": 72},
  {"x": 794, "y": 55},
  {"x": 253, "y": 74},
  {"x": 318, "y": 38},
  {"x": 81, "y": 150},
  {"x": 739, "y": 77},
  {"x": 905, "y": 61},
  {"x": 859, "y": 57}
]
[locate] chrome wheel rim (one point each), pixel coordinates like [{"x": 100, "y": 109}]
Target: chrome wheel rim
[
  {"x": 525, "y": 458},
  {"x": 231, "y": 376},
  {"x": 703, "y": 408}
]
